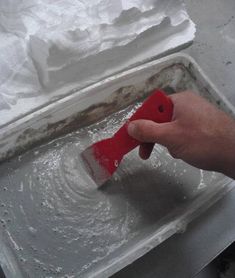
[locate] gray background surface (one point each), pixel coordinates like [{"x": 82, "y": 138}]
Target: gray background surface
[{"x": 214, "y": 45}]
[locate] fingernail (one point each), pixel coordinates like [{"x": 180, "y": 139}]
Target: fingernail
[{"x": 131, "y": 128}]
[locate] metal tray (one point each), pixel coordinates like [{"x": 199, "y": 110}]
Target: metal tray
[{"x": 55, "y": 223}]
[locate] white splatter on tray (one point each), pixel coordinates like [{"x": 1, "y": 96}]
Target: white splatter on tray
[{"x": 54, "y": 221}]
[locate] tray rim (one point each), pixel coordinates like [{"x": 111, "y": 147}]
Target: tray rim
[
  {"x": 40, "y": 118},
  {"x": 42, "y": 113},
  {"x": 81, "y": 93}
]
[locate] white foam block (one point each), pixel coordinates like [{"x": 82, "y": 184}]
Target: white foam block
[{"x": 49, "y": 47}]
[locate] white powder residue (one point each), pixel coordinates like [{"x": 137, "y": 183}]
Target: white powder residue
[
  {"x": 21, "y": 187},
  {"x": 51, "y": 47},
  {"x": 15, "y": 245},
  {"x": 61, "y": 225},
  {"x": 202, "y": 183}
]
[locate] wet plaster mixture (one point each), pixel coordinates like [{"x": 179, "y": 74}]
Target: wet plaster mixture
[{"x": 59, "y": 225}]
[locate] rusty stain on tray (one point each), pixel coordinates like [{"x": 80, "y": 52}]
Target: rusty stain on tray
[{"x": 120, "y": 98}]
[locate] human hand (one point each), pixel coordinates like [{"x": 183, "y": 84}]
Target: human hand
[{"x": 199, "y": 133}]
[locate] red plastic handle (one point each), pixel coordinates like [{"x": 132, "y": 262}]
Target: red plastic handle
[
  {"x": 109, "y": 152},
  {"x": 158, "y": 108}
]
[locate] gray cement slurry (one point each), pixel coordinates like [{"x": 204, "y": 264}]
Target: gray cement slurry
[{"x": 58, "y": 223}]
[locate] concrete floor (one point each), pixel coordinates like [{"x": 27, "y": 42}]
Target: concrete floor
[
  {"x": 208, "y": 272},
  {"x": 214, "y": 45}
]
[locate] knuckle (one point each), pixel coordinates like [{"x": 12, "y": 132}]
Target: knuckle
[
  {"x": 139, "y": 132},
  {"x": 143, "y": 132}
]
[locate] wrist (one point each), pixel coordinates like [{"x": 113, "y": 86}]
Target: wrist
[{"x": 229, "y": 163}]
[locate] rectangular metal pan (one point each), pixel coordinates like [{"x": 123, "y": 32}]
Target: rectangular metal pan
[{"x": 54, "y": 222}]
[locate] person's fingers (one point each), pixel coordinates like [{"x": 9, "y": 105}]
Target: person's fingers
[
  {"x": 150, "y": 132},
  {"x": 145, "y": 150}
]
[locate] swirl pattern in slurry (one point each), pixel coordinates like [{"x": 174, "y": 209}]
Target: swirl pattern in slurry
[{"x": 57, "y": 221}]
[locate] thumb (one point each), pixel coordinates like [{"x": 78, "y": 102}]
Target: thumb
[{"x": 150, "y": 132}]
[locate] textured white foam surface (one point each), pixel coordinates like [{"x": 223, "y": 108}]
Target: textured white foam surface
[{"x": 50, "y": 47}]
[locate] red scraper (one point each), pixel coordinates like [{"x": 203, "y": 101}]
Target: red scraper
[{"x": 103, "y": 158}]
